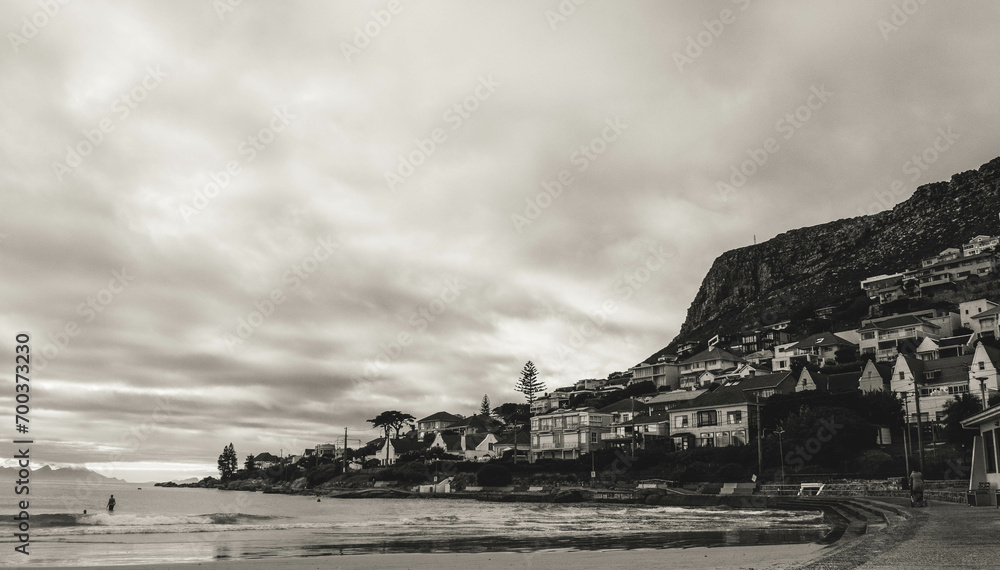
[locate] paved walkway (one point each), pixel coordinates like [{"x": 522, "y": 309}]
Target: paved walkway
[{"x": 943, "y": 535}]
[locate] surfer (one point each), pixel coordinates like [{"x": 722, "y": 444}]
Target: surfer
[{"x": 111, "y": 504}]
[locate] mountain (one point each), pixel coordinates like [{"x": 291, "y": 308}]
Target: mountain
[
  {"x": 790, "y": 275},
  {"x": 63, "y": 475}
]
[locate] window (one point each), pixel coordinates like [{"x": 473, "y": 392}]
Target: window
[
  {"x": 767, "y": 393},
  {"x": 902, "y": 376},
  {"x": 734, "y": 417},
  {"x": 593, "y": 437},
  {"x": 708, "y": 418},
  {"x": 982, "y": 365},
  {"x": 680, "y": 421},
  {"x": 963, "y": 389},
  {"x": 930, "y": 375}
]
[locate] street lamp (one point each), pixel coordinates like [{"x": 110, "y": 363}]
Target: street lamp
[{"x": 982, "y": 388}]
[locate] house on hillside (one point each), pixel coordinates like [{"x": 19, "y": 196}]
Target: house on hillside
[
  {"x": 665, "y": 401},
  {"x": 933, "y": 349},
  {"x": 885, "y": 288},
  {"x": 939, "y": 381},
  {"x": 767, "y": 385},
  {"x": 980, "y": 244},
  {"x": 886, "y": 338},
  {"x": 874, "y": 376},
  {"x": 435, "y": 423},
  {"x": 388, "y": 451},
  {"x": 567, "y": 434},
  {"x": 983, "y": 376},
  {"x": 506, "y": 444},
  {"x": 986, "y": 323},
  {"x": 638, "y": 432},
  {"x": 970, "y": 309},
  {"x": 266, "y": 460},
  {"x": 819, "y": 349},
  {"x": 713, "y": 360},
  {"x": 663, "y": 372},
  {"x": 954, "y": 268},
  {"x": 721, "y": 418},
  {"x": 624, "y": 410},
  {"x": 783, "y": 354},
  {"x": 473, "y": 446},
  {"x": 833, "y": 383},
  {"x": 554, "y": 401}
]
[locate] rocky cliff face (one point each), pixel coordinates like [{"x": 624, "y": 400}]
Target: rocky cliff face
[{"x": 822, "y": 266}]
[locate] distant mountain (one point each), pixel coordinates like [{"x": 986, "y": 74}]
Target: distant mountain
[
  {"x": 794, "y": 273},
  {"x": 186, "y": 481},
  {"x": 62, "y": 475}
]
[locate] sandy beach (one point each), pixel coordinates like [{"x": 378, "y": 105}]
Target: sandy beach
[{"x": 757, "y": 557}]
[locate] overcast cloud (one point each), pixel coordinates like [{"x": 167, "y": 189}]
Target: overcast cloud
[{"x": 171, "y": 168}]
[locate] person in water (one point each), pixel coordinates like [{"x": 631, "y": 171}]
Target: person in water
[{"x": 111, "y": 504}]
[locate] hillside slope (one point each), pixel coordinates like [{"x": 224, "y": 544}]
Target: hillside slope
[{"x": 822, "y": 265}]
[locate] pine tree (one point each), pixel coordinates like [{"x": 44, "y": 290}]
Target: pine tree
[
  {"x": 529, "y": 384},
  {"x": 228, "y": 462},
  {"x": 484, "y": 407}
]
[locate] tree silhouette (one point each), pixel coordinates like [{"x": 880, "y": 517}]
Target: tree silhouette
[
  {"x": 228, "y": 463},
  {"x": 391, "y": 421},
  {"x": 484, "y": 407},
  {"x": 249, "y": 464},
  {"x": 529, "y": 384}
]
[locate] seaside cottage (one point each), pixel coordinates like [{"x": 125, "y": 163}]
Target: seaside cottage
[
  {"x": 985, "y": 456},
  {"x": 724, "y": 417},
  {"x": 435, "y": 423}
]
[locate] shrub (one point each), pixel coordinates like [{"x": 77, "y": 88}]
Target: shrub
[{"x": 494, "y": 476}]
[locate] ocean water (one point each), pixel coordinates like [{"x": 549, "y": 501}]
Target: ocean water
[{"x": 199, "y": 525}]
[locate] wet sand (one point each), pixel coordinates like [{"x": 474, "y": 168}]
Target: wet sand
[{"x": 757, "y": 557}]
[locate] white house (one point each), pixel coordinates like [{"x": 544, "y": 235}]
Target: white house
[{"x": 985, "y": 452}]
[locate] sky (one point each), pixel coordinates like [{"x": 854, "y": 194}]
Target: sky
[{"x": 263, "y": 223}]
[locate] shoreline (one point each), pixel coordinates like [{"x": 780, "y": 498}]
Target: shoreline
[{"x": 695, "y": 558}]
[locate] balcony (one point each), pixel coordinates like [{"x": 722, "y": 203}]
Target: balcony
[{"x": 708, "y": 423}]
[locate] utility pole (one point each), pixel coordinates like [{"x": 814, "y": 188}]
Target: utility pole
[
  {"x": 982, "y": 388},
  {"x": 906, "y": 431},
  {"x": 920, "y": 425},
  {"x": 781, "y": 453},
  {"x": 760, "y": 441}
]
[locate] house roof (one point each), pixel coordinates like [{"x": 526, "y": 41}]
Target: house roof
[
  {"x": 265, "y": 456},
  {"x": 896, "y": 322},
  {"x": 441, "y": 416},
  {"x": 626, "y": 405},
  {"x": 452, "y": 441},
  {"x": 675, "y": 396},
  {"x": 400, "y": 445},
  {"x": 823, "y": 339},
  {"x": 644, "y": 419},
  {"x": 764, "y": 381},
  {"x": 990, "y": 313},
  {"x": 714, "y": 353},
  {"x": 723, "y": 396},
  {"x": 954, "y": 340},
  {"x": 951, "y": 370},
  {"x": 993, "y": 354},
  {"x": 842, "y": 382},
  {"x": 472, "y": 440}
]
